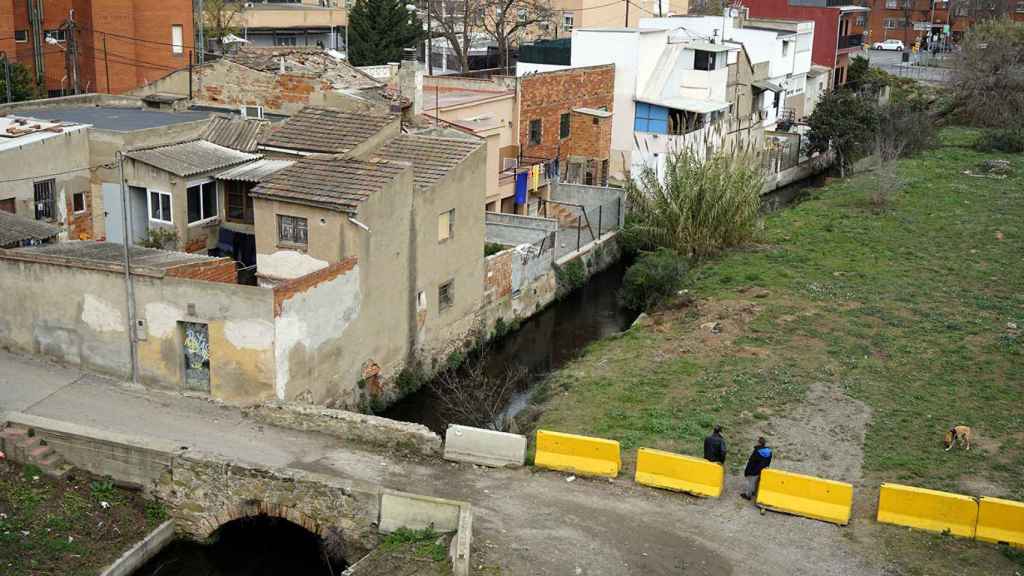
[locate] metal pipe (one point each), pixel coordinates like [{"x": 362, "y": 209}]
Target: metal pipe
[
  {"x": 128, "y": 284},
  {"x": 599, "y": 210}
]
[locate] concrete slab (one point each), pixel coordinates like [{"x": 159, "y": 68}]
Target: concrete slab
[
  {"x": 484, "y": 447},
  {"x": 25, "y": 382}
]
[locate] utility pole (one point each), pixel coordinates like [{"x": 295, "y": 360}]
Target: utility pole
[
  {"x": 7, "y": 75},
  {"x": 128, "y": 283},
  {"x": 106, "y": 63},
  {"x": 71, "y": 51},
  {"x": 430, "y": 44}
]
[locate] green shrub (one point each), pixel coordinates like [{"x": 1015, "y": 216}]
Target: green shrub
[
  {"x": 571, "y": 276},
  {"x": 492, "y": 248},
  {"x": 699, "y": 206},
  {"x": 1009, "y": 140},
  {"x": 654, "y": 277}
]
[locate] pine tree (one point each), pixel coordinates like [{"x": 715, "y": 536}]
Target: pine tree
[{"x": 380, "y": 30}]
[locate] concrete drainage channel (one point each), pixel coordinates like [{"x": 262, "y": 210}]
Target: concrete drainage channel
[{"x": 204, "y": 492}]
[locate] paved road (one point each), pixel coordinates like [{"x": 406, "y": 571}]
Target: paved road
[{"x": 527, "y": 522}]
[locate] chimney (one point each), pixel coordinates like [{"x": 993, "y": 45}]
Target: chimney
[{"x": 410, "y": 83}]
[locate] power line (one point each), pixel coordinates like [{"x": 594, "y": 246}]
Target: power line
[{"x": 73, "y": 170}]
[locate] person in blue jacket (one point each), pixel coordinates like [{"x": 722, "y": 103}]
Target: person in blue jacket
[{"x": 759, "y": 459}]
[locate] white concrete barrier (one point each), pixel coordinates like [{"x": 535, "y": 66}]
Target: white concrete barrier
[
  {"x": 139, "y": 554},
  {"x": 485, "y": 447}
]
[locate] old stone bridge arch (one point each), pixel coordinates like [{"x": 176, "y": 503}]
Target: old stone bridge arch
[{"x": 204, "y": 494}]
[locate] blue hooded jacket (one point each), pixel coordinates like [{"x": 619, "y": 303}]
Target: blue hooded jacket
[{"x": 760, "y": 459}]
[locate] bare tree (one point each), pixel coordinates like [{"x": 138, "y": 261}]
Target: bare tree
[
  {"x": 503, "y": 20},
  {"x": 455, "y": 21},
  {"x": 222, "y": 17},
  {"x": 472, "y": 395}
]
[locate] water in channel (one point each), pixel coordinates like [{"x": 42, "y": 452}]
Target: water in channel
[
  {"x": 544, "y": 342},
  {"x": 256, "y": 546}
]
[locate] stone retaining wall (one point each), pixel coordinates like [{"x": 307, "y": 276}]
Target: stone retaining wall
[{"x": 359, "y": 428}]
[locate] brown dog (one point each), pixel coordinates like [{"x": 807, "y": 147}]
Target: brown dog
[{"x": 958, "y": 435}]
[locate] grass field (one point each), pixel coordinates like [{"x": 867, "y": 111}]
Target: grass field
[{"x": 915, "y": 310}]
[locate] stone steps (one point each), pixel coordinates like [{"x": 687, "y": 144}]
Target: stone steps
[{"x": 22, "y": 445}]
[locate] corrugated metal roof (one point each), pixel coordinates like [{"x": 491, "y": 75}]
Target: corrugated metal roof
[
  {"x": 331, "y": 182},
  {"x": 243, "y": 134},
  {"x": 109, "y": 255},
  {"x": 257, "y": 171},
  {"x": 191, "y": 158},
  {"x": 16, "y": 229},
  {"x": 432, "y": 158}
]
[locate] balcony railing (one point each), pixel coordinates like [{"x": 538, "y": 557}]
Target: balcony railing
[{"x": 851, "y": 41}]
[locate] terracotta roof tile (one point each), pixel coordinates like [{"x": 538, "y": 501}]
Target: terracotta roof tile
[
  {"x": 327, "y": 130},
  {"x": 329, "y": 181}
]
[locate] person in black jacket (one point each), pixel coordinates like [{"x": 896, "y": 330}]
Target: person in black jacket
[
  {"x": 714, "y": 446},
  {"x": 759, "y": 459}
]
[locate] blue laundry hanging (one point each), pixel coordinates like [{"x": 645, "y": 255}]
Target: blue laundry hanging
[{"x": 522, "y": 180}]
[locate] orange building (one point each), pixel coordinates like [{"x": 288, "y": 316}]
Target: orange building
[{"x": 114, "y": 45}]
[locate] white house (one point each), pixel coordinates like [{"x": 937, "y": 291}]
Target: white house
[
  {"x": 670, "y": 90},
  {"x": 784, "y": 45}
]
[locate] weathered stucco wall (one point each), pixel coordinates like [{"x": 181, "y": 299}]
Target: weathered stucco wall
[
  {"x": 458, "y": 259},
  {"x": 84, "y": 323},
  {"x": 66, "y": 156}
]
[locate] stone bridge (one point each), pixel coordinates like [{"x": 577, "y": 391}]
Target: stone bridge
[{"x": 203, "y": 492}]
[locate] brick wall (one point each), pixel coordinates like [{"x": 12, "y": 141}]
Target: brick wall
[
  {"x": 548, "y": 95},
  {"x": 80, "y": 223},
  {"x": 7, "y": 28},
  {"x": 219, "y": 270},
  {"x": 138, "y": 34},
  {"x": 289, "y": 288}
]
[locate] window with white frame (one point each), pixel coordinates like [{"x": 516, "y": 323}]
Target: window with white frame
[
  {"x": 861, "y": 20},
  {"x": 292, "y": 230},
  {"x": 890, "y": 24},
  {"x": 567, "y": 20},
  {"x": 891, "y": 4},
  {"x": 21, "y": 36},
  {"x": 177, "y": 39},
  {"x": 58, "y": 34},
  {"x": 202, "y": 201},
  {"x": 160, "y": 207}
]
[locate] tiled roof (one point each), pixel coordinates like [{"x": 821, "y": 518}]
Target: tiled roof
[
  {"x": 15, "y": 229},
  {"x": 432, "y": 157},
  {"x": 242, "y": 134},
  {"x": 107, "y": 254},
  {"x": 331, "y": 182},
  {"x": 327, "y": 130},
  {"x": 191, "y": 158}
]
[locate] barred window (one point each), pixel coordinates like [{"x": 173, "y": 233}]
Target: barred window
[{"x": 292, "y": 230}]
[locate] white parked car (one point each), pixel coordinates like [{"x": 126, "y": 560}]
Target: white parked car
[{"x": 890, "y": 44}]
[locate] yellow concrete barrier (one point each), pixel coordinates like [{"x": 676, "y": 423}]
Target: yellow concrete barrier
[
  {"x": 1001, "y": 521},
  {"x": 927, "y": 509},
  {"x": 662, "y": 469},
  {"x": 583, "y": 455},
  {"x": 807, "y": 496}
]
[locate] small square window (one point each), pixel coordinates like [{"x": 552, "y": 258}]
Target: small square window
[
  {"x": 292, "y": 230},
  {"x": 21, "y": 36},
  {"x": 445, "y": 225},
  {"x": 202, "y": 201},
  {"x": 160, "y": 207},
  {"x": 57, "y": 35},
  {"x": 703, "y": 60},
  {"x": 446, "y": 295},
  {"x": 78, "y": 202},
  {"x": 567, "y": 20},
  {"x": 535, "y": 131},
  {"x": 564, "y": 125}
]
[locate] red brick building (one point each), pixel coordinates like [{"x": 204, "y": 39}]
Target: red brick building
[
  {"x": 839, "y": 28},
  {"x": 145, "y": 40},
  {"x": 908, "y": 20},
  {"x": 567, "y": 114}
]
